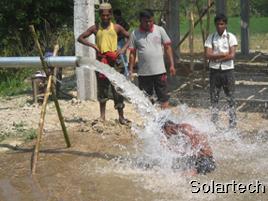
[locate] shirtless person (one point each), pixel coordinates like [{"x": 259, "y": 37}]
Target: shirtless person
[{"x": 203, "y": 161}]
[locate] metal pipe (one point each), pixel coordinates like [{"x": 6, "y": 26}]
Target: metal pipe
[{"x": 24, "y": 62}]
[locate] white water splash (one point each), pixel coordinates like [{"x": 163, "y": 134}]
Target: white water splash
[
  {"x": 236, "y": 159},
  {"x": 152, "y": 150}
]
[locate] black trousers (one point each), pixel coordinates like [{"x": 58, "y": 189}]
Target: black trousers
[
  {"x": 157, "y": 83},
  {"x": 222, "y": 79}
]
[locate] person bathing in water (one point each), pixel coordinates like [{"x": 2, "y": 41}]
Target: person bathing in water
[{"x": 202, "y": 161}]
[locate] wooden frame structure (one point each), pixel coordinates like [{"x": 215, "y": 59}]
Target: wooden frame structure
[{"x": 49, "y": 92}]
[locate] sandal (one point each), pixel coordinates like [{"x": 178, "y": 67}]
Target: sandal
[{"x": 124, "y": 121}]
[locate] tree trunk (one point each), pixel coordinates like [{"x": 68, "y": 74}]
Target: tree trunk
[
  {"x": 173, "y": 25},
  {"x": 244, "y": 4}
]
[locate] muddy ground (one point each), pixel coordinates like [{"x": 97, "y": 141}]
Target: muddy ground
[{"x": 88, "y": 170}]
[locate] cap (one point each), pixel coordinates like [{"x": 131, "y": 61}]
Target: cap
[{"x": 105, "y": 6}]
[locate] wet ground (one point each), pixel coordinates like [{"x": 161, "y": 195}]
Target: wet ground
[{"x": 94, "y": 168}]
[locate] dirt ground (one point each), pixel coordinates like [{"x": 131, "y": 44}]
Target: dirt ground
[{"x": 76, "y": 173}]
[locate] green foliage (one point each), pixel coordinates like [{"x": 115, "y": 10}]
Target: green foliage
[
  {"x": 12, "y": 81},
  {"x": 257, "y": 25},
  {"x": 53, "y": 21},
  {"x": 20, "y": 131},
  {"x": 65, "y": 39},
  {"x": 30, "y": 134},
  {"x": 259, "y": 7},
  {"x": 17, "y": 15}
]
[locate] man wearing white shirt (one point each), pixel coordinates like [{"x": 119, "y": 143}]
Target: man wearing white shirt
[{"x": 220, "y": 51}]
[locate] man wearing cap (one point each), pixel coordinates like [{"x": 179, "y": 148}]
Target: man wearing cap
[{"x": 106, "y": 49}]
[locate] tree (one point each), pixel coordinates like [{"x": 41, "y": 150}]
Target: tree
[{"x": 17, "y": 15}]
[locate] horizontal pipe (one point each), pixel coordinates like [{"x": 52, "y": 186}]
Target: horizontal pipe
[{"x": 24, "y": 62}]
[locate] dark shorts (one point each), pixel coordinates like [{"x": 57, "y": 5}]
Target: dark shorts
[
  {"x": 104, "y": 85},
  {"x": 202, "y": 164},
  {"x": 157, "y": 83},
  {"x": 205, "y": 164}
]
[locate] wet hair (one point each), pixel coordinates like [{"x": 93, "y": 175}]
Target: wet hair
[
  {"x": 146, "y": 13},
  {"x": 117, "y": 12},
  {"x": 168, "y": 123},
  {"x": 220, "y": 17}
]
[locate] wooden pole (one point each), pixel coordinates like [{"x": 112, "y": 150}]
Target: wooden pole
[
  {"x": 196, "y": 23},
  {"x": 55, "y": 53},
  {"x": 41, "y": 125},
  {"x": 206, "y": 33},
  {"x": 203, "y": 40},
  {"x": 173, "y": 27},
  {"x": 244, "y": 4},
  {"x": 221, "y": 7},
  {"x": 201, "y": 22},
  {"x": 44, "y": 64},
  {"x": 191, "y": 44},
  {"x": 49, "y": 90},
  {"x": 57, "y": 105}
]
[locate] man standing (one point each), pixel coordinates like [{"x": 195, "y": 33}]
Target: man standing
[
  {"x": 147, "y": 40},
  {"x": 106, "y": 49},
  {"x": 220, "y": 50},
  {"x": 121, "y": 39}
]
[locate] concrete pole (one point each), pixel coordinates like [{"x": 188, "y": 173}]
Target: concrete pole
[
  {"x": 84, "y": 17},
  {"x": 244, "y": 4},
  {"x": 173, "y": 26},
  {"x": 221, "y": 6}
]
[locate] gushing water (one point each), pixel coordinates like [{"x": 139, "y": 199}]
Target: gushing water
[
  {"x": 234, "y": 155},
  {"x": 126, "y": 88},
  {"x": 155, "y": 151}
]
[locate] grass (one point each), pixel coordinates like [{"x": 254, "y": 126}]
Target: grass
[
  {"x": 20, "y": 131},
  {"x": 13, "y": 81},
  {"x": 258, "y": 30},
  {"x": 257, "y": 25},
  {"x": 13, "y": 87}
]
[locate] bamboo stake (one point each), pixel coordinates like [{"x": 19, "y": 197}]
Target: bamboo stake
[
  {"x": 41, "y": 125},
  {"x": 53, "y": 94},
  {"x": 57, "y": 105},
  {"x": 44, "y": 64},
  {"x": 55, "y": 53},
  {"x": 56, "y": 102},
  {"x": 49, "y": 90},
  {"x": 191, "y": 44}
]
